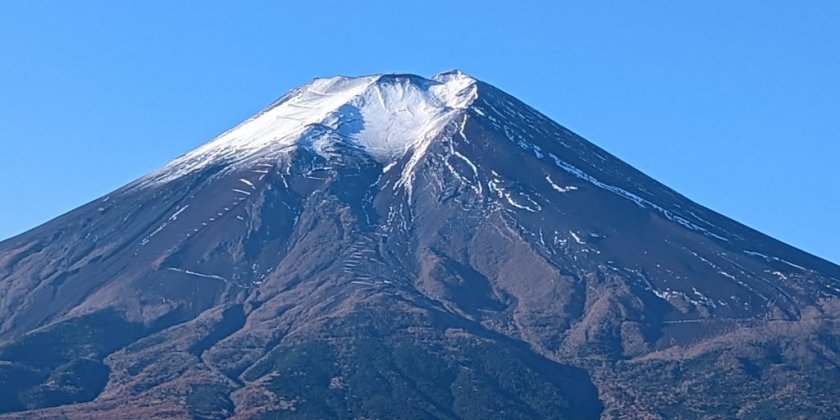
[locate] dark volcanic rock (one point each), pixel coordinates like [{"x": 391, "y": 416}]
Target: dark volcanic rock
[{"x": 400, "y": 247}]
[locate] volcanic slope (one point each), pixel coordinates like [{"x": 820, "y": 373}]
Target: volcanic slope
[{"x": 435, "y": 242}]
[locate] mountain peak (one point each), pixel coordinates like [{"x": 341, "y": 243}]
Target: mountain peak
[{"x": 384, "y": 114}]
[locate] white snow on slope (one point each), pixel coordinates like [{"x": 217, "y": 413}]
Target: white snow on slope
[
  {"x": 387, "y": 115},
  {"x": 559, "y": 188},
  {"x": 400, "y": 113},
  {"x": 641, "y": 202}
]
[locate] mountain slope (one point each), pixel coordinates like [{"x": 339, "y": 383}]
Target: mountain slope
[{"x": 429, "y": 241}]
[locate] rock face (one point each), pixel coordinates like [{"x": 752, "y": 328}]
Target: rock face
[{"x": 396, "y": 247}]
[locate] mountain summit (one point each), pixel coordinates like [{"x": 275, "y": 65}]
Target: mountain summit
[
  {"x": 386, "y": 115},
  {"x": 393, "y": 246}
]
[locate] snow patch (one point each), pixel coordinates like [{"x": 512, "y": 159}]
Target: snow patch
[
  {"x": 175, "y": 215},
  {"x": 193, "y": 273},
  {"x": 558, "y": 188}
]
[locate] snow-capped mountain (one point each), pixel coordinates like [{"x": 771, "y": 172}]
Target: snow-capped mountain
[{"x": 367, "y": 240}]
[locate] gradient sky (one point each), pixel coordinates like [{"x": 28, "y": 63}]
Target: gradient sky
[{"x": 734, "y": 104}]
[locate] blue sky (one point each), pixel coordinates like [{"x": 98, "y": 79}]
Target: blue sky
[{"x": 734, "y": 104}]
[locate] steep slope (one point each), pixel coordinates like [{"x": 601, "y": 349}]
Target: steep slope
[{"x": 429, "y": 241}]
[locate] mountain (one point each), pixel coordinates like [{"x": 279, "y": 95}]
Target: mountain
[{"x": 393, "y": 246}]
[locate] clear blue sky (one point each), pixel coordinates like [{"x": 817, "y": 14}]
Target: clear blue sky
[{"x": 735, "y": 104}]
